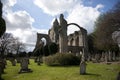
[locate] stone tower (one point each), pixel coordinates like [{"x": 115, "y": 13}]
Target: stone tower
[
  {"x": 63, "y": 35},
  {"x": 53, "y": 32}
]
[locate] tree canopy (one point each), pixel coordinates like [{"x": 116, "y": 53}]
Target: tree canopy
[
  {"x": 105, "y": 25},
  {"x": 2, "y": 21}
]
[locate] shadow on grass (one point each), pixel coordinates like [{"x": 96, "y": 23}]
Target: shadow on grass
[{"x": 92, "y": 74}]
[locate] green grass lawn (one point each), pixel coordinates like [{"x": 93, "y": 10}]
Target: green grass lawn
[{"x": 43, "y": 72}]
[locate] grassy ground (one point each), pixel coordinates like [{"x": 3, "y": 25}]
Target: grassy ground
[{"x": 43, "y": 72}]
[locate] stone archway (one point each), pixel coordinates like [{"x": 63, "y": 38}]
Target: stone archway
[
  {"x": 84, "y": 49},
  {"x": 82, "y": 39},
  {"x": 40, "y": 36},
  {"x": 83, "y": 33},
  {"x": 75, "y": 25}
]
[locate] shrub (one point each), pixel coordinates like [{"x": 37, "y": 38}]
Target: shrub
[
  {"x": 50, "y": 49},
  {"x": 62, "y": 60}
]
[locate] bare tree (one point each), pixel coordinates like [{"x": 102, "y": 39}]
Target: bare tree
[
  {"x": 10, "y": 44},
  {"x": 5, "y": 42},
  {"x": 17, "y": 46}
]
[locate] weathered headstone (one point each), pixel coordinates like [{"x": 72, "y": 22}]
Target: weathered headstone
[
  {"x": 18, "y": 59},
  {"x": 39, "y": 60},
  {"x": 12, "y": 60},
  {"x": 24, "y": 65},
  {"x": 82, "y": 67},
  {"x": 35, "y": 60},
  {"x": 97, "y": 57},
  {"x": 113, "y": 58},
  {"x": 103, "y": 57},
  {"x": 83, "y": 64},
  {"x": 110, "y": 56},
  {"x": 106, "y": 57}
]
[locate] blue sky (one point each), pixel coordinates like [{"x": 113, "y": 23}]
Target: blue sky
[
  {"x": 43, "y": 20},
  {"x": 24, "y": 18}
]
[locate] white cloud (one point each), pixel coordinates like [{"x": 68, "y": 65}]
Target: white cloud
[
  {"x": 84, "y": 16},
  {"x": 77, "y": 12},
  {"x": 8, "y": 4},
  {"x": 99, "y": 6},
  {"x": 55, "y": 7},
  {"x": 19, "y": 19},
  {"x": 19, "y": 23}
]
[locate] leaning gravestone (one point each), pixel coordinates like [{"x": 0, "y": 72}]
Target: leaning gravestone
[{"x": 24, "y": 65}]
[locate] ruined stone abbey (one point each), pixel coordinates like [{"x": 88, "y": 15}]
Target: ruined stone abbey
[{"x": 74, "y": 43}]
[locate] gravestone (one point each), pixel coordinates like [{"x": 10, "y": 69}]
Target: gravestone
[
  {"x": 110, "y": 56},
  {"x": 103, "y": 57},
  {"x": 18, "y": 59},
  {"x": 83, "y": 64},
  {"x": 113, "y": 58},
  {"x": 24, "y": 65},
  {"x": 106, "y": 57},
  {"x": 97, "y": 57},
  {"x": 82, "y": 67},
  {"x": 12, "y": 60}
]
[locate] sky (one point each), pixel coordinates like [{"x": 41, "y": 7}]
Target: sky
[{"x": 26, "y": 18}]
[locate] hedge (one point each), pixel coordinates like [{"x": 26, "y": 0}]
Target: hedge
[{"x": 60, "y": 59}]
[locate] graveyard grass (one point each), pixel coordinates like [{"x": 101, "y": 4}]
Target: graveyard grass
[{"x": 43, "y": 72}]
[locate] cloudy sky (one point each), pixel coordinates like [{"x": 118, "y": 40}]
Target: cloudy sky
[{"x": 24, "y": 18}]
